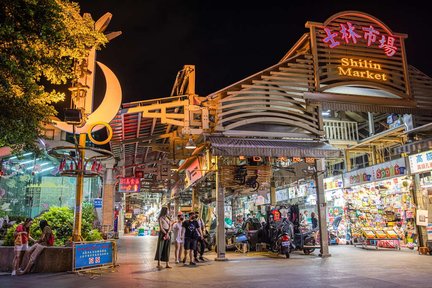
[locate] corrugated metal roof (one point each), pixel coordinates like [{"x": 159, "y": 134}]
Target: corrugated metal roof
[{"x": 224, "y": 146}]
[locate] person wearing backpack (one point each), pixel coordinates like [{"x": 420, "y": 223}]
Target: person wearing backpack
[
  {"x": 46, "y": 240},
  {"x": 190, "y": 236},
  {"x": 200, "y": 240}
]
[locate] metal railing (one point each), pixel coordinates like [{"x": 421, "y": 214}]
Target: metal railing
[{"x": 341, "y": 130}]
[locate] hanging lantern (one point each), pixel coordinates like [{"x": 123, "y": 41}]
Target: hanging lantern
[
  {"x": 94, "y": 166},
  {"x": 62, "y": 164}
]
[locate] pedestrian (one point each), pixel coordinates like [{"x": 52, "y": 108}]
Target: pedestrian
[
  {"x": 164, "y": 241},
  {"x": 178, "y": 236},
  {"x": 200, "y": 241},
  {"x": 314, "y": 220},
  {"x": 21, "y": 239},
  {"x": 191, "y": 234},
  {"x": 46, "y": 240}
]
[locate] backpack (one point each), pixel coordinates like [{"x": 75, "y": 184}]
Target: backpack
[{"x": 51, "y": 239}]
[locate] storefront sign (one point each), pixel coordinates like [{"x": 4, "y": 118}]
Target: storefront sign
[
  {"x": 421, "y": 162},
  {"x": 88, "y": 255},
  {"x": 129, "y": 185},
  {"x": 333, "y": 183},
  {"x": 361, "y": 68},
  {"x": 378, "y": 172},
  {"x": 422, "y": 217},
  {"x": 429, "y": 231},
  {"x": 350, "y": 33}
]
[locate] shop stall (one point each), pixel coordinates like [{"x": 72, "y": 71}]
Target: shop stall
[{"x": 380, "y": 207}]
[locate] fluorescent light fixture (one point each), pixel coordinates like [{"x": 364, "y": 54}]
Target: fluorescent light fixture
[
  {"x": 191, "y": 144},
  {"x": 46, "y": 169},
  {"x": 325, "y": 113}
]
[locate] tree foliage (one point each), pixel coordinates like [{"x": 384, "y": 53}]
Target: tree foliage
[
  {"x": 61, "y": 221},
  {"x": 39, "y": 42}
]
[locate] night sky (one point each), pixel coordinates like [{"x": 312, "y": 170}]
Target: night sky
[{"x": 228, "y": 40}]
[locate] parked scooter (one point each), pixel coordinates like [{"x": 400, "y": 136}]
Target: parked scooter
[
  {"x": 304, "y": 240},
  {"x": 281, "y": 242}
]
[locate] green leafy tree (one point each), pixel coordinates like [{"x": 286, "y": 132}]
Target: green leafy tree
[
  {"x": 40, "y": 40},
  {"x": 61, "y": 221}
]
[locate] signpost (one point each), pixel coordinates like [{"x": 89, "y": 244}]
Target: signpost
[{"x": 91, "y": 255}]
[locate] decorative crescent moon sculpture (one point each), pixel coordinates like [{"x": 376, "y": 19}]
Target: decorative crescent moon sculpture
[{"x": 106, "y": 111}]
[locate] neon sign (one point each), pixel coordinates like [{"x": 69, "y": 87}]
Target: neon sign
[
  {"x": 348, "y": 33},
  {"x": 129, "y": 185},
  {"x": 361, "y": 68}
]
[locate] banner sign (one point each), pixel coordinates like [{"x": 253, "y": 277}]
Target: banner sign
[
  {"x": 421, "y": 162},
  {"x": 129, "y": 185},
  {"x": 194, "y": 172},
  {"x": 94, "y": 254},
  {"x": 394, "y": 168},
  {"x": 333, "y": 183}
]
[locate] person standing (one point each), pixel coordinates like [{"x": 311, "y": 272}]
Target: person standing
[
  {"x": 46, "y": 240},
  {"x": 200, "y": 241},
  {"x": 178, "y": 236},
  {"x": 164, "y": 242},
  {"x": 314, "y": 220},
  {"x": 21, "y": 236},
  {"x": 190, "y": 236}
]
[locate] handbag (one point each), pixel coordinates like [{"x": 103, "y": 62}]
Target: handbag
[{"x": 18, "y": 240}]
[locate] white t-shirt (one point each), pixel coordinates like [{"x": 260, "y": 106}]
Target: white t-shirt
[{"x": 178, "y": 230}]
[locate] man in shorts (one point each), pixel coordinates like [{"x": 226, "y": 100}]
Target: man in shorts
[{"x": 190, "y": 236}]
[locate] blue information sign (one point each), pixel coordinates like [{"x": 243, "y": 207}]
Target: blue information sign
[
  {"x": 92, "y": 254},
  {"x": 97, "y": 203}
]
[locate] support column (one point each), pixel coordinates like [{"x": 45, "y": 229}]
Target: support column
[
  {"x": 322, "y": 213},
  {"x": 420, "y": 204},
  {"x": 176, "y": 207},
  {"x": 108, "y": 198},
  {"x": 371, "y": 124},
  {"x": 76, "y": 234},
  {"x": 272, "y": 192},
  {"x": 195, "y": 199},
  {"x": 220, "y": 210}
]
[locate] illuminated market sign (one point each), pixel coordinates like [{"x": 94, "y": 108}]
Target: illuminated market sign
[
  {"x": 350, "y": 33},
  {"x": 129, "y": 185},
  {"x": 378, "y": 172},
  {"x": 421, "y": 162},
  {"x": 361, "y": 68}
]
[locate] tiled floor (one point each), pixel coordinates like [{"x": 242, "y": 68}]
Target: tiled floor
[{"x": 348, "y": 267}]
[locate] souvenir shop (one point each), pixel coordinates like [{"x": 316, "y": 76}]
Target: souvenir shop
[{"x": 379, "y": 205}]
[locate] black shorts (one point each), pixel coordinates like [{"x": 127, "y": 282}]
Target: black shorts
[{"x": 190, "y": 244}]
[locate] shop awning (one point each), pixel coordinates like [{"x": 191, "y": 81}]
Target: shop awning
[
  {"x": 225, "y": 146},
  {"x": 415, "y": 147}
]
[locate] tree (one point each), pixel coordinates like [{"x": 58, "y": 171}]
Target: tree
[{"x": 40, "y": 40}]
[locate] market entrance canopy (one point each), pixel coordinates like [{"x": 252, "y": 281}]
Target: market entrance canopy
[{"x": 223, "y": 146}]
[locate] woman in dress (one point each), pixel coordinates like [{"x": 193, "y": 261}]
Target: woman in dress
[
  {"x": 164, "y": 241},
  {"x": 178, "y": 236}
]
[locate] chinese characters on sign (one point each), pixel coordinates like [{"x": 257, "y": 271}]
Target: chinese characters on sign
[
  {"x": 421, "y": 162},
  {"x": 349, "y": 33},
  {"x": 130, "y": 185},
  {"x": 92, "y": 254}
]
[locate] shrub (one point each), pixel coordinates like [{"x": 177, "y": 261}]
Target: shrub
[{"x": 61, "y": 221}]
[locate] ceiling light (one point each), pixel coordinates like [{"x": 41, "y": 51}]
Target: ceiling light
[{"x": 191, "y": 144}]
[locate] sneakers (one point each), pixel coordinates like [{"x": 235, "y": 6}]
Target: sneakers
[
  {"x": 184, "y": 260},
  {"x": 13, "y": 273},
  {"x": 196, "y": 260},
  {"x": 201, "y": 258},
  {"x": 177, "y": 262},
  {"x": 192, "y": 264}
]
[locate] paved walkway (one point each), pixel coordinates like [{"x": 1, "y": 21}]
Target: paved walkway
[{"x": 348, "y": 267}]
